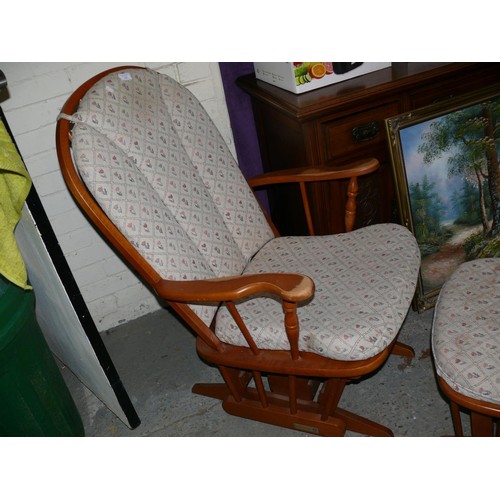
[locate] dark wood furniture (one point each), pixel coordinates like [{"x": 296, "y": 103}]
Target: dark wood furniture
[{"x": 345, "y": 122}]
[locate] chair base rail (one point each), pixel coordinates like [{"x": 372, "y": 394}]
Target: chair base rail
[
  {"x": 306, "y": 411},
  {"x": 301, "y": 420},
  {"x": 307, "y": 418}
]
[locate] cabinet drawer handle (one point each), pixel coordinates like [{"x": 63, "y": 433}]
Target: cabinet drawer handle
[{"x": 365, "y": 132}]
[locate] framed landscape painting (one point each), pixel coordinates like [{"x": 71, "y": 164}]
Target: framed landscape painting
[{"x": 447, "y": 176}]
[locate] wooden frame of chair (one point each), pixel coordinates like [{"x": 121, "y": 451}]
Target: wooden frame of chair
[
  {"x": 484, "y": 416},
  {"x": 293, "y": 397}
]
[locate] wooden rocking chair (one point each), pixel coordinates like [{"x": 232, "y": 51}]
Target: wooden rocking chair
[{"x": 288, "y": 321}]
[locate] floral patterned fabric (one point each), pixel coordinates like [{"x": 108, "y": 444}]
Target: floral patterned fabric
[
  {"x": 156, "y": 163},
  {"x": 466, "y": 330},
  {"x": 365, "y": 281},
  {"x": 159, "y": 168}
]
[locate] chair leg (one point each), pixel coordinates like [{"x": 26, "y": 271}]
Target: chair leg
[
  {"x": 216, "y": 391},
  {"x": 329, "y": 399},
  {"x": 481, "y": 425},
  {"x": 235, "y": 383},
  {"x": 456, "y": 418},
  {"x": 330, "y": 396},
  {"x": 361, "y": 425},
  {"x": 405, "y": 350}
]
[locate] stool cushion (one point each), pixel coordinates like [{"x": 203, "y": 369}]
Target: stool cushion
[{"x": 466, "y": 330}]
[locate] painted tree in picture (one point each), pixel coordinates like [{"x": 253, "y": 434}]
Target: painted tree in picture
[
  {"x": 453, "y": 175},
  {"x": 470, "y": 140}
]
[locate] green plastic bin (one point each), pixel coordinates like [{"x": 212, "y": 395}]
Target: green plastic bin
[{"x": 34, "y": 399}]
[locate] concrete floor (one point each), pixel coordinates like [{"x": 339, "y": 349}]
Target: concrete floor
[{"x": 156, "y": 359}]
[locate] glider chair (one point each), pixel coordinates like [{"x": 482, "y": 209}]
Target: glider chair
[{"x": 288, "y": 321}]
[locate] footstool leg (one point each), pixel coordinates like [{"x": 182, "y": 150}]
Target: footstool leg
[
  {"x": 481, "y": 425},
  {"x": 457, "y": 419},
  {"x": 468, "y": 302}
]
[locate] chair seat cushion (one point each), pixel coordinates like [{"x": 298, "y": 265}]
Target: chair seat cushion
[
  {"x": 364, "y": 284},
  {"x": 466, "y": 330}
]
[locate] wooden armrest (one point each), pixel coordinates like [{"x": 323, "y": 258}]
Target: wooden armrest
[
  {"x": 303, "y": 175},
  {"x": 289, "y": 287},
  {"x": 315, "y": 173}
]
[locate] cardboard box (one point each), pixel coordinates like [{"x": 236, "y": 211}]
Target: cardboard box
[{"x": 299, "y": 77}]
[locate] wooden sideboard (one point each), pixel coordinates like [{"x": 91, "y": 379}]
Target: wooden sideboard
[{"x": 344, "y": 122}]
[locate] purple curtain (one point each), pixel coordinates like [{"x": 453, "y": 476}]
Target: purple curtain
[{"x": 241, "y": 117}]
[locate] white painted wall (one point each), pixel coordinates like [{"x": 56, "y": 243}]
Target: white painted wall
[{"x": 36, "y": 93}]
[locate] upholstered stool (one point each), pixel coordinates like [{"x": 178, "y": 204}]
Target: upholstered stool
[{"x": 466, "y": 344}]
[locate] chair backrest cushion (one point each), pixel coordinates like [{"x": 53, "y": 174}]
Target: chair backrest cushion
[{"x": 155, "y": 162}]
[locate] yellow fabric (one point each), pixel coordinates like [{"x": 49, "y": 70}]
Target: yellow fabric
[{"x": 15, "y": 184}]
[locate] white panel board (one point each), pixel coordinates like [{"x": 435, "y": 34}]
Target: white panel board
[{"x": 58, "y": 320}]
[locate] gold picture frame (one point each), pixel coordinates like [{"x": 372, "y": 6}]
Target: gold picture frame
[{"x": 445, "y": 165}]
